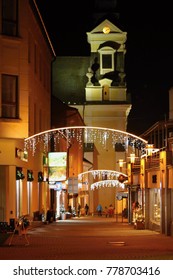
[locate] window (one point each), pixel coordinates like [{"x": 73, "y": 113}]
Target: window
[
  {"x": 119, "y": 147},
  {"x": 10, "y": 17},
  {"x": 9, "y": 98},
  {"x": 154, "y": 179},
  {"x": 106, "y": 60},
  {"x": 88, "y": 147},
  {"x": 155, "y": 205}
]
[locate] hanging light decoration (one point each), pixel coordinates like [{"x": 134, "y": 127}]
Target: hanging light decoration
[
  {"x": 102, "y": 173},
  {"x": 107, "y": 183},
  {"x": 84, "y": 134}
]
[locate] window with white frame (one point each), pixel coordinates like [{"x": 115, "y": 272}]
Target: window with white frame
[
  {"x": 9, "y": 97},
  {"x": 106, "y": 60}
]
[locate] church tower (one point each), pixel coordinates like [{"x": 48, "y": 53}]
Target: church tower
[
  {"x": 96, "y": 86},
  {"x": 107, "y": 103}
]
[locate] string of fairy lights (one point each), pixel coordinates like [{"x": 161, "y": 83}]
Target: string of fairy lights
[
  {"x": 107, "y": 183},
  {"x": 83, "y": 134},
  {"x": 107, "y": 178},
  {"x": 101, "y": 173}
]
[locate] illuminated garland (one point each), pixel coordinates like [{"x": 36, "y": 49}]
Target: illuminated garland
[
  {"x": 84, "y": 134},
  {"x": 107, "y": 183},
  {"x": 109, "y": 174}
]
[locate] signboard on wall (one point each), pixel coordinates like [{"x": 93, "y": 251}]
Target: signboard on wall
[
  {"x": 73, "y": 185},
  {"x": 56, "y": 186},
  {"x": 57, "y": 166}
]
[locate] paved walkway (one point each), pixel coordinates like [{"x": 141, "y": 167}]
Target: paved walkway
[{"x": 88, "y": 238}]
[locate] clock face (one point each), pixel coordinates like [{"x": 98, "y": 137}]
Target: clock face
[{"x": 106, "y": 29}]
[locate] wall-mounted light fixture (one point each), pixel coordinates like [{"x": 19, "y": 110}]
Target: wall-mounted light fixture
[
  {"x": 19, "y": 173},
  {"x": 149, "y": 149},
  {"x": 121, "y": 162},
  {"x": 132, "y": 158}
]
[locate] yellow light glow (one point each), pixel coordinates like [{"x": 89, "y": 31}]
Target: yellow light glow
[
  {"x": 132, "y": 158},
  {"x": 98, "y": 172},
  {"x": 92, "y": 133},
  {"x": 121, "y": 162},
  {"x": 62, "y": 129},
  {"x": 107, "y": 183},
  {"x": 106, "y": 30},
  {"x": 149, "y": 149}
]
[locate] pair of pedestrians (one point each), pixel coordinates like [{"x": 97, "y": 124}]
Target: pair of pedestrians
[{"x": 86, "y": 208}]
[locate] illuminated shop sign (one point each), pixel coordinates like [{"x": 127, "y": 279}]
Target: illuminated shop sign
[{"x": 57, "y": 166}]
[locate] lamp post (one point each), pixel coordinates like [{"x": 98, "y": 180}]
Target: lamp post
[
  {"x": 147, "y": 157},
  {"x": 164, "y": 223},
  {"x": 130, "y": 165},
  {"x": 142, "y": 184}
]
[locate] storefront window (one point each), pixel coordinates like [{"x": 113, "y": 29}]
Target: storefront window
[{"x": 155, "y": 205}]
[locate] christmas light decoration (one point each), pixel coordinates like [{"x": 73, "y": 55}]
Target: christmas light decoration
[
  {"x": 84, "y": 134},
  {"x": 107, "y": 183},
  {"x": 102, "y": 173}
]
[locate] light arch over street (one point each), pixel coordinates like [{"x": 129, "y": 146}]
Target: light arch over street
[
  {"x": 85, "y": 134},
  {"x": 101, "y": 173}
]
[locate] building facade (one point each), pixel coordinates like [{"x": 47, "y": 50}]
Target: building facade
[
  {"x": 93, "y": 93},
  {"x": 96, "y": 87},
  {"x": 156, "y": 178},
  {"x": 26, "y": 55}
]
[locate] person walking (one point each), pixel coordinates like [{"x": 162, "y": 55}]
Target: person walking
[
  {"x": 111, "y": 211},
  {"x": 86, "y": 209},
  {"x": 78, "y": 209},
  {"x": 99, "y": 210}
]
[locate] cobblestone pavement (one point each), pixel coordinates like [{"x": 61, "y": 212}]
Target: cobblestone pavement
[{"x": 88, "y": 238}]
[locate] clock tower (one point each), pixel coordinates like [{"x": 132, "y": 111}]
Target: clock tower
[
  {"x": 95, "y": 85},
  {"x": 107, "y": 103}
]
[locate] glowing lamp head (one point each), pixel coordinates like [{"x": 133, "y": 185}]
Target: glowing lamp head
[
  {"x": 121, "y": 161},
  {"x": 132, "y": 158},
  {"x": 149, "y": 149}
]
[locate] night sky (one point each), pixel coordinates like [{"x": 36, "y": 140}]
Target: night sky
[{"x": 149, "y": 57}]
